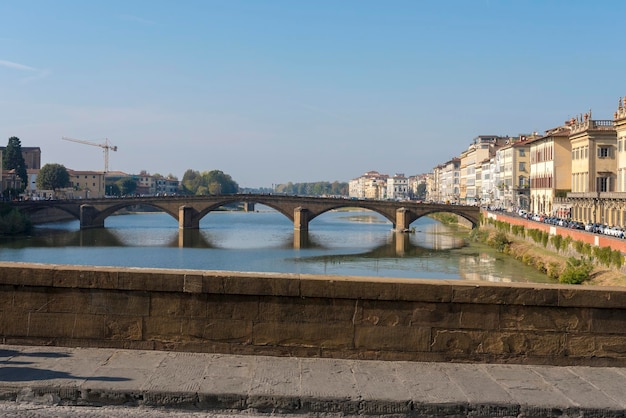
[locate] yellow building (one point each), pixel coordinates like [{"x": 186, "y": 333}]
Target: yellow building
[
  {"x": 594, "y": 171},
  {"x": 86, "y": 184},
  {"x": 550, "y": 169},
  {"x": 619, "y": 122}
]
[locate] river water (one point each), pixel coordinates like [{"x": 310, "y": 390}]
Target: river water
[{"x": 354, "y": 243}]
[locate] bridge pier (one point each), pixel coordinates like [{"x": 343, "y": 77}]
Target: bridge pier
[
  {"x": 248, "y": 206},
  {"x": 88, "y": 216},
  {"x": 186, "y": 218},
  {"x": 403, "y": 219},
  {"x": 301, "y": 217}
]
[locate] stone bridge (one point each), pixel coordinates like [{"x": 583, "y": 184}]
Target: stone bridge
[{"x": 301, "y": 210}]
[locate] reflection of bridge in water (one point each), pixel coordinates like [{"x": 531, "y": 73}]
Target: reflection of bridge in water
[
  {"x": 398, "y": 244},
  {"x": 189, "y": 210}
]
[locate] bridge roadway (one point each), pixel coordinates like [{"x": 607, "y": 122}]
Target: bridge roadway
[{"x": 189, "y": 210}]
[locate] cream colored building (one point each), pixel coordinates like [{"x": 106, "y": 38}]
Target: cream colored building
[
  {"x": 594, "y": 171},
  {"x": 86, "y": 184},
  {"x": 398, "y": 187},
  {"x": 619, "y": 122},
  {"x": 550, "y": 169},
  {"x": 521, "y": 173},
  {"x": 371, "y": 185},
  {"x": 450, "y": 181},
  {"x": 482, "y": 148},
  {"x": 594, "y": 163}
]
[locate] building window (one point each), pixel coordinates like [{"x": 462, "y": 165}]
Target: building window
[
  {"x": 522, "y": 153},
  {"x": 603, "y": 184},
  {"x": 522, "y": 166},
  {"x": 604, "y": 152}
]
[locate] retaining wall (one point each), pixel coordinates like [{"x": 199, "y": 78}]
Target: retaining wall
[
  {"x": 312, "y": 316},
  {"x": 598, "y": 240}
]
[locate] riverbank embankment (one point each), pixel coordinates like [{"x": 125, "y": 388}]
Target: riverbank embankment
[{"x": 549, "y": 247}]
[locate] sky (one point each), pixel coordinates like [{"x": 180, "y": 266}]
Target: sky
[{"x": 272, "y": 91}]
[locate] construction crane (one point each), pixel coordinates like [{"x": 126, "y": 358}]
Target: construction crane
[{"x": 106, "y": 146}]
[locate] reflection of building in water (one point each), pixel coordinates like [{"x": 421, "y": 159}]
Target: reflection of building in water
[
  {"x": 479, "y": 267},
  {"x": 437, "y": 237}
]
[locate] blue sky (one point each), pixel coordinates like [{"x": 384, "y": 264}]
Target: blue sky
[{"x": 278, "y": 91}]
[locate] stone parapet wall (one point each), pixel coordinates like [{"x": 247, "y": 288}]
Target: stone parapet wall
[{"x": 312, "y": 316}]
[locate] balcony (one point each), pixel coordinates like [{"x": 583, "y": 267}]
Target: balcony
[{"x": 596, "y": 125}]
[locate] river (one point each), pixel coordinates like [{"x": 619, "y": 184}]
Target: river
[{"x": 354, "y": 243}]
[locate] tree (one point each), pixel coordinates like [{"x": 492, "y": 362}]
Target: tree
[
  {"x": 127, "y": 185},
  {"x": 421, "y": 191},
  {"x": 13, "y": 159},
  {"x": 227, "y": 184},
  {"x": 213, "y": 182},
  {"x": 53, "y": 177},
  {"x": 113, "y": 190},
  {"x": 192, "y": 180}
]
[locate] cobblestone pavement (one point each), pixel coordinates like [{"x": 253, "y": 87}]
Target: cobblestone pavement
[{"x": 35, "y": 381}]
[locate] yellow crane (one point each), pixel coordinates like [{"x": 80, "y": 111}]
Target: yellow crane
[{"x": 106, "y": 146}]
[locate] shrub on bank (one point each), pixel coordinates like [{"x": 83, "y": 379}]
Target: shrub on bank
[
  {"x": 576, "y": 271},
  {"x": 13, "y": 222},
  {"x": 500, "y": 241}
]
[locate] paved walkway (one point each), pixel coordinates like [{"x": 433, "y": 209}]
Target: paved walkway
[{"x": 81, "y": 376}]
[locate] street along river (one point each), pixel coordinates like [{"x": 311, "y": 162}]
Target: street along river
[{"x": 355, "y": 243}]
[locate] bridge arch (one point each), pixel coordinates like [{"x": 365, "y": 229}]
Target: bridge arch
[
  {"x": 72, "y": 211},
  {"x": 101, "y": 215},
  {"x": 390, "y": 217},
  {"x": 211, "y": 208}
]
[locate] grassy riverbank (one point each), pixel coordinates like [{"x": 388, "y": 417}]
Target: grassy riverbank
[{"x": 550, "y": 255}]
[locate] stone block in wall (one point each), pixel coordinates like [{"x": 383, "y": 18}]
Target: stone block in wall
[
  {"x": 162, "y": 328},
  {"x": 531, "y": 344},
  {"x": 608, "y": 321},
  {"x": 69, "y": 300},
  {"x": 236, "y": 307},
  {"x": 478, "y": 316},
  {"x": 30, "y": 300},
  {"x": 192, "y": 283},
  {"x": 347, "y": 288},
  {"x": 303, "y": 334},
  {"x": 26, "y": 275},
  {"x": 423, "y": 291},
  {"x": 13, "y": 323},
  {"x": 86, "y": 278},
  {"x": 89, "y": 327},
  {"x": 586, "y": 346},
  {"x": 150, "y": 281},
  {"x": 51, "y": 325},
  {"x": 520, "y": 294},
  {"x": 527, "y": 318},
  {"x": 260, "y": 284},
  {"x": 300, "y": 310},
  {"x": 178, "y": 304},
  {"x": 123, "y": 327},
  {"x": 229, "y": 331},
  {"x": 468, "y": 343},
  {"x": 592, "y": 297},
  {"x": 392, "y": 338},
  {"x": 389, "y": 313},
  {"x": 119, "y": 303},
  {"x": 6, "y": 297}
]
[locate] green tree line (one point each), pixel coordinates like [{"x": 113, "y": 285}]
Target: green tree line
[
  {"x": 208, "y": 182},
  {"x": 319, "y": 188}
]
